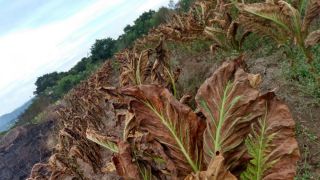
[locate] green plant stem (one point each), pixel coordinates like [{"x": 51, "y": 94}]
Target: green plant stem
[
  {"x": 260, "y": 151},
  {"x": 217, "y": 144}
]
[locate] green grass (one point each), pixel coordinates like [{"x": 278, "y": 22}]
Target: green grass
[
  {"x": 2, "y": 133},
  {"x": 298, "y": 72},
  {"x": 305, "y": 170},
  {"x": 192, "y": 48}
]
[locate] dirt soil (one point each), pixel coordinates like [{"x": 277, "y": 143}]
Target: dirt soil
[{"x": 22, "y": 147}]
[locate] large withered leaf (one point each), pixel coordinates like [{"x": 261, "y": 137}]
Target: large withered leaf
[
  {"x": 272, "y": 144},
  {"x": 103, "y": 140},
  {"x": 276, "y": 20},
  {"x": 149, "y": 152},
  {"x": 216, "y": 171},
  {"x": 127, "y": 68},
  {"x": 134, "y": 66},
  {"x": 229, "y": 102},
  {"x": 174, "y": 125},
  {"x": 279, "y": 121},
  {"x": 124, "y": 163},
  {"x": 142, "y": 70}
]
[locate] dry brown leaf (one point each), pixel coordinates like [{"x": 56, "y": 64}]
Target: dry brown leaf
[
  {"x": 285, "y": 150},
  {"x": 230, "y": 105},
  {"x": 255, "y": 80},
  {"x": 134, "y": 66},
  {"x": 271, "y": 143},
  {"x": 124, "y": 163},
  {"x": 256, "y": 17},
  {"x": 110, "y": 167},
  {"x": 186, "y": 99},
  {"x": 216, "y": 171},
  {"x": 150, "y": 152},
  {"x": 40, "y": 171},
  {"x": 173, "y": 124}
]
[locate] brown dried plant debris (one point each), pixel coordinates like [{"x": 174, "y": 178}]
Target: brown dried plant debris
[
  {"x": 277, "y": 143},
  {"x": 230, "y": 105},
  {"x": 124, "y": 163},
  {"x": 172, "y": 124},
  {"x": 216, "y": 171},
  {"x": 149, "y": 66}
]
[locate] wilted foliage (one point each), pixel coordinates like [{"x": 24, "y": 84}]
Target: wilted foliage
[
  {"x": 271, "y": 143},
  {"x": 150, "y": 66},
  {"x": 174, "y": 125},
  {"x": 162, "y": 138},
  {"x": 235, "y": 132},
  {"x": 225, "y": 31},
  {"x": 230, "y": 105},
  {"x": 216, "y": 170},
  {"x": 282, "y": 22},
  {"x": 186, "y": 26},
  {"x": 86, "y": 111}
]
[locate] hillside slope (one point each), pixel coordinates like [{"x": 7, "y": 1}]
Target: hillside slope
[
  {"x": 24, "y": 146},
  {"x": 142, "y": 116},
  {"x": 7, "y": 120}
]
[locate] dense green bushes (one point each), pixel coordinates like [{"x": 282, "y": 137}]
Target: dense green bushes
[
  {"x": 102, "y": 49},
  {"x": 46, "y": 81}
]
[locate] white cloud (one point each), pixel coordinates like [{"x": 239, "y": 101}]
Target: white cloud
[
  {"x": 24, "y": 51},
  {"x": 29, "y": 53}
]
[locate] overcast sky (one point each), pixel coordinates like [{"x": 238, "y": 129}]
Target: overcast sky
[{"x": 42, "y": 36}]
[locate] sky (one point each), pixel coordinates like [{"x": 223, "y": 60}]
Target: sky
[{"x": 42, "y": 36}]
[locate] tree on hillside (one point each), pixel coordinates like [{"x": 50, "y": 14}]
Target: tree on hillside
[
  {"x": 80, "y": 66},
  {"x": 65, "y": 84},
  {"x": 141, "y": 26},
  {"x": 102, "y": 49},
  {"x": 47, "y": 80}
]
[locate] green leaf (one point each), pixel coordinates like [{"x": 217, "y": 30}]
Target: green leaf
[{"x": 258, "y": 144}]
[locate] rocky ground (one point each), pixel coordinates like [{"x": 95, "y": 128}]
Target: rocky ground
[{"x": 24, "y": 146}]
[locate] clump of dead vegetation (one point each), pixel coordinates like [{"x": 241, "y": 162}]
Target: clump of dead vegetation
[{"x": 235, "y": 131}]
